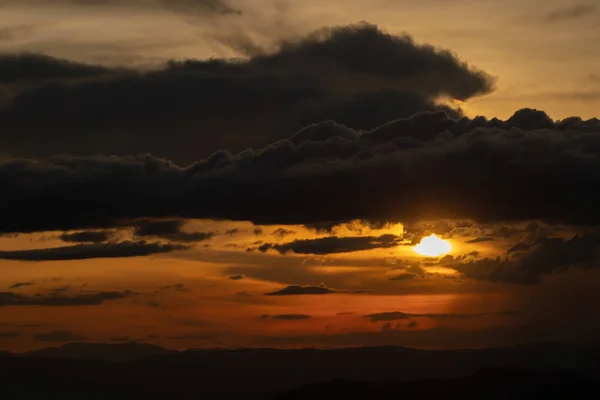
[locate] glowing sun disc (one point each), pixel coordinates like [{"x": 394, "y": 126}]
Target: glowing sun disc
[{"x": 433, "y": 246}]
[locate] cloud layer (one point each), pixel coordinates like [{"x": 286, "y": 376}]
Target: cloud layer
[
  {"x": 529, "y": 263},
  {"x": 334, "y": 244},
  {"x": 357, "y": 75},
  {"x": 427, "y": 166},
  {"x": 86, "y": 251},
  {"x": 86, "y": 299}
]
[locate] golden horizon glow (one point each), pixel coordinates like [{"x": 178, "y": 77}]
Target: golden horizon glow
[{"x": 433, "y": 246}]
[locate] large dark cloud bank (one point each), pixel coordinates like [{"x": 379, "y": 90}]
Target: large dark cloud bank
[{"x": 357, "y": 75}]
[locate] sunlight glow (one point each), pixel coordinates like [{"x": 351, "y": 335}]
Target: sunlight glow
[{"x": 433, "y": 246}]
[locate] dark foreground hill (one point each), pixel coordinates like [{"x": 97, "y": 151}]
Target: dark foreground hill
[
  {"x": 487, "y": 384},
  {"x": 135, "y": 370}
]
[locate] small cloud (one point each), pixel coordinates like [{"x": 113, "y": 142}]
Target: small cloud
[
  {"x": 334, "y": 244},
  {"x": 403, "y": 277},
  {"x": 481, "y": 239},
  {"x": 388, "y": 316},
  {"x": 522, "y": 246},
  {"x": 287, "y": 317},
  {"x": 388, "y": 326},
  {"x": 282, "y": 233},
  {"x": 397, "y": 315},
  {"x": 179, "y": 287},
  {"x": 200, "y": 7},
  {"x": 236, "y": 277},
  {"x": 412, "y": 324},
  {"x": 88, "y": 251},
  {"x": 170, "y": 230},
  {"x": 570, "y": 13},
  {"x": 54, "y": 299},
  {"x": 301, "y": 290},
  {"x": 20, "y": 284},
  {"x": 153, "y": 304},
  {"x": 86, "y": 236},
  {"x": 58, "y": 336},
  {"x": 61, "y": 289},
  {"x": 232, "y": 232},
  {"x": 257, "y": 231}
]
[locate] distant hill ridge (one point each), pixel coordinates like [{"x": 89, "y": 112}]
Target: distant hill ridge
[{"x": 131, "y": 351}]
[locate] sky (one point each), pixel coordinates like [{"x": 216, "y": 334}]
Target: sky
[{"x": 244, "y": 173}]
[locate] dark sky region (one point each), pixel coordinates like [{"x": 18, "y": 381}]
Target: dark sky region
[{"x": 248, "y": 173}]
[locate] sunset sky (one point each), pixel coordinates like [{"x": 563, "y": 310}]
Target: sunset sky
[{"x": 258, "y": 173}]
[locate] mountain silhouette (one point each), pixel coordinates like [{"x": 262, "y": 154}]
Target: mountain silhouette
[
  {"x": 139, "y": 370},
  {"x": 101, "y": 351}
]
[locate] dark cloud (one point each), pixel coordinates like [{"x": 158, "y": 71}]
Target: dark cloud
[
  {"x": 288, "y": 317},
  {"x": 203, "y": 6},
  {"x": 236, "y": 277},
  {"x": 232, "y": 232},
  {"x": 158, "y": 228},
  {"x": 86, "y": 251},
  {"x": 570, "y": 13},
  {"x": 61, "y": 289},
  {"x": 403, "y": 277},
  {"x": 388, "y": 316},
  {"x": 155, "y": 304},
  {"x": 334, "y": 244},
  {"x": 10, "y": 334},
  {"x": 521, "y": 246},
  {"x": 529, "y": 265},
  {"x": 58, "y": 336},
  {"x": 86, "y": 237},
  {"x": 356, "y": 75},
  {"x": 387, "y": 326},
  {"x": 195, "y": 7},
  {"x": 428, "y": 166},
  {"x": 20, "y": 284},
  {"x": 171, "y": 230},
  {"x": 29, "y": 68},
  {"x": 301, "y": 290},
  {"x": 397, "y": 315},
  {"x": 481, "y": 239},
  {"x": 282, "y": 233},
  {"x": 87, "y": 299},
  {"x": 179, "y": 287}
]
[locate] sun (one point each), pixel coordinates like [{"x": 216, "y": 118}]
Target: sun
[{"x": 433, "y": 246}]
